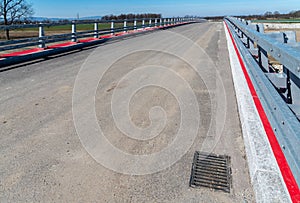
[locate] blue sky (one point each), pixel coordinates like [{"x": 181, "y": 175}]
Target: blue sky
[{"x": 70, "y": 8}]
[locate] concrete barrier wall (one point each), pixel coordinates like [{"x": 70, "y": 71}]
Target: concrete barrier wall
[{"x": 282, "y": 25}]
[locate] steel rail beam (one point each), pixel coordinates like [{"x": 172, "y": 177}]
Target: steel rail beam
[
  {"x": 285, "y": 124},
  {"x": 285, "y": 54}
]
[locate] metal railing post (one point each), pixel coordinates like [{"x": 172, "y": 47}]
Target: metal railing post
[
  {"x": 289, "y": 98},
  {"x": 74, "y": 36},
  {"x": 143, "y": 24},
  {"x": 250, "y": 44},
  {"x": 160, "y": 22},
  {"x": 134, "y": 24},
  {"x": 125, "y": 26},
  {"x": 155, "y": 22},
  {"x": 41, "y": 36},
  {"x": 150, "y": 22},
  {"x": 112, "y": 28},
  {"x": 239, "y": 32},
  {"x": 260, "y": 28},
  {"x": 263, "y": 59},
  {"x": 96, "y": 28}
]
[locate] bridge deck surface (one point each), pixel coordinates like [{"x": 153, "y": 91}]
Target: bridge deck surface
[{"x": 42, "y": 158}]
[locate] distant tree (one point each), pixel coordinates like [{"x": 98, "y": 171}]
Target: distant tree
[
  {"x": 14, "y": 10},
  {"x": 131, "y": 16},
  {"x": 295, "y": 14},
  {"x": 64, "y": 21},
  {"x": 47, "y": 21},
  {"x": 276, "y": 14},
  {"x": 268, "y": 13}
]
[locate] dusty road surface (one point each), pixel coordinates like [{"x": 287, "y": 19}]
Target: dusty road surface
[{"x": 41, "y": 154}]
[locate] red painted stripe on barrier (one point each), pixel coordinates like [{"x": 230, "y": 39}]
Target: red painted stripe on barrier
[
  {"x": 106, "y": 36},
  {"x": 149, "y": 28},
  {"x": 20, "y": 53},
  {"x": 121, "y": 33},
  {"x": 61, "y": 45},
  {"x": 87, "y": 40},
  {"x": 286, "y": 172}
]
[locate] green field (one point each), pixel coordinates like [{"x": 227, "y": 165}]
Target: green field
[
  {"x": 59, "y": 29},
  {"x": 79, "y": 27},
  {"x": 277, "y": 21}
]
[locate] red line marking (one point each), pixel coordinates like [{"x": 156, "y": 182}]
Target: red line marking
[
  {"x": 19, "y": 53},
  {"x": 106, "y": 36},
  {"x": 121, "y": 33},
  {"x": 286, "y": 172},
  {"x": 87, "y": 40},
  {"x": 61, "y": 45},
  {"x": 149, "y": 28}
]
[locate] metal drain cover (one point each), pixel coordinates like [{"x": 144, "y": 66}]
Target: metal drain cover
[{"x": 212, "y": 171}]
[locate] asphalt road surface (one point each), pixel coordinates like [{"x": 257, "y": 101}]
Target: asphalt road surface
[{"x": 42, "y": 158}]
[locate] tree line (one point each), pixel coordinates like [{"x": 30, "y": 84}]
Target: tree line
[
  {"x": 273, "y": 15},
  {"x": 265, "y": 16},
  {"x": 276, "y": 14},
  {"x": 131, "y": 16}
]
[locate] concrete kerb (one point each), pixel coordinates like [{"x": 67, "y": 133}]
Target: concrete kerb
[{"x": 266, "y": 178}]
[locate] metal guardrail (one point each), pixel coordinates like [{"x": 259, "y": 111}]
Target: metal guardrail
[
  {"x": 42, "y": 40},
  {"x": 278, "y": 90}
]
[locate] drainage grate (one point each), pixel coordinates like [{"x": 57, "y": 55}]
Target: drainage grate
[{"x": 212, "y": 171}]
